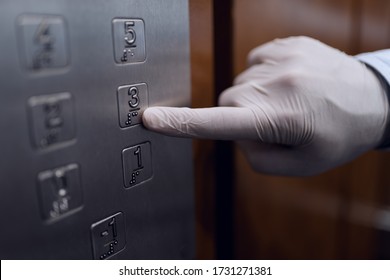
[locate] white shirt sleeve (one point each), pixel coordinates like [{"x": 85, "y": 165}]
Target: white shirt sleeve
[{"x": 379, "y": 60}]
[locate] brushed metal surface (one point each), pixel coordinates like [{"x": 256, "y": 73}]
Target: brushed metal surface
[{"x": 158, "y": 213}]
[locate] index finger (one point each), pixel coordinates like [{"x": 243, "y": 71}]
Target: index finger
[{"x": 221, "y": 123}]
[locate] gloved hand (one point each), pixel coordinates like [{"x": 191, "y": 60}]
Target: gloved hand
[{"x": 300, "y": 109}]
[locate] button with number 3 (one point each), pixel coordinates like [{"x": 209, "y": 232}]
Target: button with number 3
[{"x": 132, "y": 101}]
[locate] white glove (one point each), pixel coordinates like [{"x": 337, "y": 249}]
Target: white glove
[{"x": 300, "y": 109}]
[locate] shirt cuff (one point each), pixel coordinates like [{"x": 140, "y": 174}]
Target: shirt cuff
[{"x": 379, "y": 60}]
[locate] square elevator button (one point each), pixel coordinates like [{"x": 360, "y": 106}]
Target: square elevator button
[
  {"x": 60, "y": 191},
  {"x": 137, "y": 164},
  {"x": 43, "y": 42},
  {"x": 132, "y": 101},
  {"x": 51, "y": 119},
  {"x": 108, "y": 236},
  {"x": 129, "y": 40}
]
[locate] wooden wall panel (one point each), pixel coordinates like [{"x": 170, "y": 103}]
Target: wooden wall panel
[
  {"x": 259, "y": 21},
  {"x": 201, "y": 26},
  {"x": 326, "y": 216},
  {"x": 368, "y": 178},
  {"x": 375, "y": 25}
]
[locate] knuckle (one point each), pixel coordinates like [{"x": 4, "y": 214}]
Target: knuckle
[
  {"x": 253, "y": 55},
  {"x": 230, "y": 96},
  {"x": 251, "y": 73},
  {"x": 292, "y": 81},
  {"x": 241, "y": 78},
  {"x": 226, "y": 98},
  {"x": 296, "y": 54},
  {"x": 300, "y": 40}
]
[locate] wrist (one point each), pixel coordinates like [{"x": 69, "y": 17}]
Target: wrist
[
  {"x": 384, "y": 142},
  {"x": 378, "y": 62}
]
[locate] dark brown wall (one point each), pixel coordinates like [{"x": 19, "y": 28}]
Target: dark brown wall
[
  {"x": 201, "y": 25},
  {"x": 331, "y": 216},
  {"x": 323, "y": 217}
]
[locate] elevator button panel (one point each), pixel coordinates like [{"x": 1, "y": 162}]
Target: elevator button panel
[
  {"x": 108, "y": 236},
  {"x": 88, "y": 179},
  {"x": 129, "y": 40},
  {"x": 51, "y": 119},
  {"x": 60, "y": 191},
  {"x": 132, "y": 101},
  {"x": 137, "y": 164},
  {"x": 43, "y": 42}
]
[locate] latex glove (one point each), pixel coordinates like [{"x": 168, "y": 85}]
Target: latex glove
[{"x": 300, "y": 109}]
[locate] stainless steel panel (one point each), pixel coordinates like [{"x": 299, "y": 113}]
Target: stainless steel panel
[{"x": 59, "y": 81}]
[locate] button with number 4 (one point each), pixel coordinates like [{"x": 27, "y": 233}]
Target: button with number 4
[{"x": 132, "y": 101}]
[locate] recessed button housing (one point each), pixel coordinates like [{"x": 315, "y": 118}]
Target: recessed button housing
[
  {"x": 129, "y": 40},
  {"x": 132, "y": 101},
  {"x": 60, "y": 191},
  {"x": 137, "y": 164},
  {"x": 51, "y": 119},
  {"x": 108, "y": 236},
  {"x": 44, "y": 42}
]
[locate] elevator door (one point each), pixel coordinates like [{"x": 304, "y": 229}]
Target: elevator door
[{"x": 81, "y": 178}]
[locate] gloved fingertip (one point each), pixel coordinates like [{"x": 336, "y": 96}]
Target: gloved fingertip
[{"x": 151, "y": 118}]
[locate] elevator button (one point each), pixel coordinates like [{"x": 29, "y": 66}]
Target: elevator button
[
  {"x": 132, "y": 101},
  {"x": 51, "y": 119},
  {"x": 108, "y": 236},
  {"x": 44, "y": 42},
  {"x": 137, "y": 164},
  {"x": 60, "y": 191},
  {"x": 129, "y": 40}
]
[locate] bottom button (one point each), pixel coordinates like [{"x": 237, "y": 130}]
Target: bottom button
[{"x": 108, "y": 236}]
